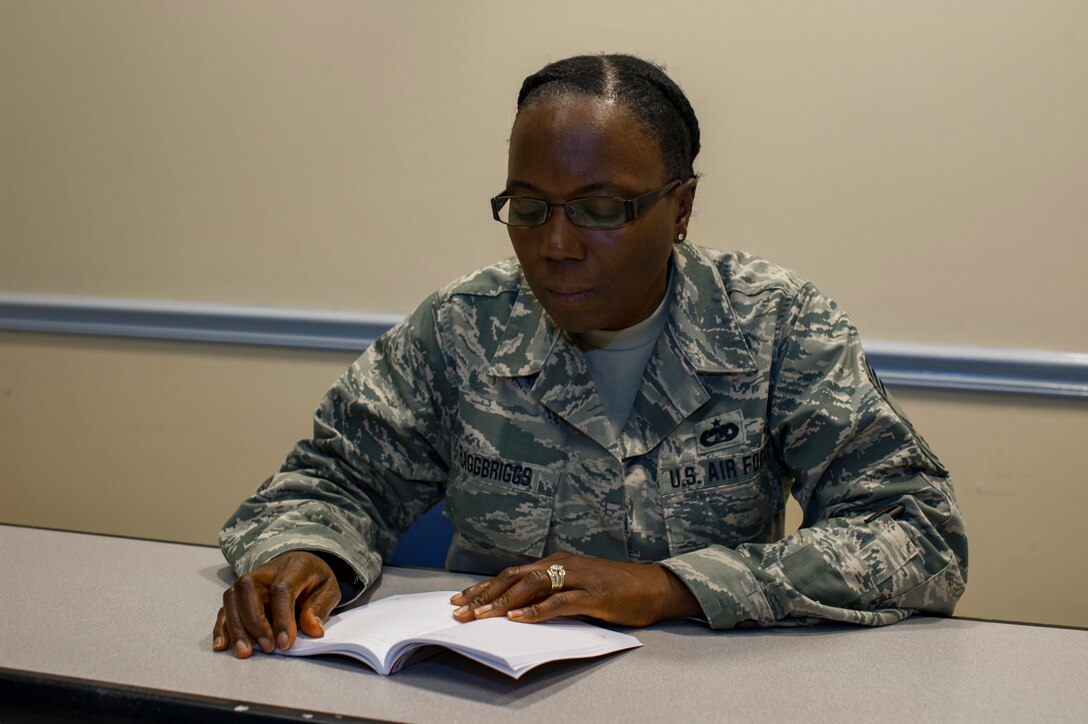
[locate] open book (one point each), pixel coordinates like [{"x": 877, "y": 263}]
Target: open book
[{"x": 387, "y": 634}]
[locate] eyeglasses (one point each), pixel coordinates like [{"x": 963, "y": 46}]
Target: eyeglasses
[{"x": 594, "y": 212}]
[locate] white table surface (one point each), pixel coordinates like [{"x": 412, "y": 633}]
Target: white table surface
[{"x": 139, "y": 613}]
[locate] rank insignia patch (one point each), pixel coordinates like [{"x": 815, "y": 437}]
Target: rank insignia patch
[{"x": 721, "y": 432}]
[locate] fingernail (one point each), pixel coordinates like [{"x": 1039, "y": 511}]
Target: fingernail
[
  {"x": 240, "y": 647},
  {"x": 518, "y": 613},
  {"x": 483, "y": 609},
  {"x": 460, "y": 611},
  {"x": 218, "y": 642},
  {"x": 266, "y": 645},
  {"x": 282, "y": 641},
  {"x": 321, "y": 625}
]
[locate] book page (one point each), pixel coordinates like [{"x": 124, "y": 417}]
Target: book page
[
  {"x": 382, "y": 626},
  {"x": 505, "y": 644}
]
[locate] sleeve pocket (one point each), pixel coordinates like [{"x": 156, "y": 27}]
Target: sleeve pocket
[{"x": 839, "y": 570}]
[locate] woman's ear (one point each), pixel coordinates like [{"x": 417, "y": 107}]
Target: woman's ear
[{"x": 686, "y": 198}]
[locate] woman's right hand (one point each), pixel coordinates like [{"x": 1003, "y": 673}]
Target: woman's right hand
[{"x": 259, "y": 609}]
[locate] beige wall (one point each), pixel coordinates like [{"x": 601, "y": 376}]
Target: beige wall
[{"x": 925, "y": 163}]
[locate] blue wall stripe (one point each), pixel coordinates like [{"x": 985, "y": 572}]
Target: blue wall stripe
[
  {"x": 318, "y": 329},
  {"x": 948, "y": 367}
]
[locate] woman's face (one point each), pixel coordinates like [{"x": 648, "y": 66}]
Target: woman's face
[{"x": 589, "y": 279}]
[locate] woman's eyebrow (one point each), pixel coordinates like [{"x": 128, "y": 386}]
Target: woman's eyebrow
[{"x": 583, "y": 190}]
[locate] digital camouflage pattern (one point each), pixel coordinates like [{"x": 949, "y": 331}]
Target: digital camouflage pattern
[{"x": 757, "y": 388}]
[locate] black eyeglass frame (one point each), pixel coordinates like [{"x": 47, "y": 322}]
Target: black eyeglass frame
[{"x": 631, "y": 207}]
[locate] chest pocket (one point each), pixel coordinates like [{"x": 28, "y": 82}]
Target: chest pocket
[
  {"x": 501, "y": 503},
  {"x": 725, "y": 498}
]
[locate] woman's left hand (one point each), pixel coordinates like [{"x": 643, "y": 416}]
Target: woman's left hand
[{"x": 629, "y": 594}]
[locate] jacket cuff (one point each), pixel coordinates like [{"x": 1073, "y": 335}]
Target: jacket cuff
[
  {"x": 354, "y": 574},
  {"x": 724, "y": 586}
]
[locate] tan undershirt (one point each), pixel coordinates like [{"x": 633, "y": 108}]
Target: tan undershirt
[{"x": 618, "y": 358}]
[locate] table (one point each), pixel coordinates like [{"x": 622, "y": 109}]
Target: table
[{"x": 127, "y": 615}]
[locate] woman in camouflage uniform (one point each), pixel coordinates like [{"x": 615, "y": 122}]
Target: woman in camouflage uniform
[{"x": 614, "y": 418}]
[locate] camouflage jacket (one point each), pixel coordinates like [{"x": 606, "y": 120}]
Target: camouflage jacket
[{"x": 757, "y": 388}]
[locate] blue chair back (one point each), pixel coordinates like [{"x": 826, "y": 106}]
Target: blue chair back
[{"x": 426, "y": 542}]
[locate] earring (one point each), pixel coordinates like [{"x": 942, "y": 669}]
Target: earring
[{"x": 679, "y": 237}]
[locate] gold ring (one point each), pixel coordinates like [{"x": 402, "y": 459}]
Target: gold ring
[{"x": 557, "y": 573}]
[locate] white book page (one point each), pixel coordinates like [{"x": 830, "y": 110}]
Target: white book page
[
  {"x": 381, "y": 626},
  {"x": 521, "y": 646}
]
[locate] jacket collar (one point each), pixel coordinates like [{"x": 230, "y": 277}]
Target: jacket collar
[
  {"x": 701, "y": 323},
  {"x": 703, "y": 320},
  {"x": 701, "y": 337}
]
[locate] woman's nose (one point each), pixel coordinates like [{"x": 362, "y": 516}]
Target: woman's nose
[{"x": 562, "y": 239}]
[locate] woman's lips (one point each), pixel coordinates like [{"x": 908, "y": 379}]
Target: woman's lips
[{"x": 571, "y": 296}]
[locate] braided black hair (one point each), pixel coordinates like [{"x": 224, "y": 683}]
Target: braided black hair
[{"x": 641, "y": 86}]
